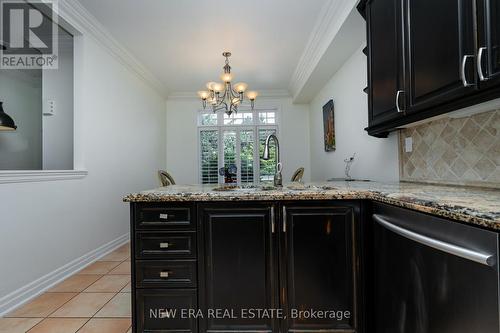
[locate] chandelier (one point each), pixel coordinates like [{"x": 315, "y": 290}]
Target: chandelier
[{"x": 224, "y": 96}]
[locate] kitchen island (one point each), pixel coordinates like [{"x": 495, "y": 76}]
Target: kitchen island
[{"x": 262, "y": 259}]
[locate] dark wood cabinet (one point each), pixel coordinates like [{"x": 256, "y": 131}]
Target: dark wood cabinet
[
  {"x": 240, "y": 266},
  {"x": 164, "y": 267},
  {"x": 489, "y": 42},
  {"x": 440, "y": 52},
  {"x": 385, "y": 49},
  {"x": 426, "y": 58},
  {"x": 231, "y": 261},
  {"x": 318, "y": 270}
]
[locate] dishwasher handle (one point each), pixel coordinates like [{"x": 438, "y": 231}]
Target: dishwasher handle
[{"x": 481, "y": 258}]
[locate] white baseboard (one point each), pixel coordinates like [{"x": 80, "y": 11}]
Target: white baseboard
[{"x": 37, "y": 287}]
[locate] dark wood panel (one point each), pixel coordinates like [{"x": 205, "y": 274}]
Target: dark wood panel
[
  {"x": 166, "y": 274},
  {"x": 170, "y": 216},
  {"x": 159, "y": 310},
  {"x": 489, "y": 41},
  {"x": 385, "y": 54},
  {"x": 165, "y": 245},
  {"x": 239, "y": 265},
  {"x": 440, "y": 40},
  {"x": 319, "y": 266}
]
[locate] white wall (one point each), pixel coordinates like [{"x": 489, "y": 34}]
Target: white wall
[
  {"x": 182, "y": 136},
  {"x": 119, "y": 139},
  {"x": 57, "y": 128},
  {"x": 376, "y": 159}
]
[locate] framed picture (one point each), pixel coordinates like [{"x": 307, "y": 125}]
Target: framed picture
[{"x": 329, "y": 125}]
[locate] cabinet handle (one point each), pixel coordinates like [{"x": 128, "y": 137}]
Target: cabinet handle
[
  {"x": 164, "y": 274},
  {"x": 462, "y": 73},
  {"x": 164, "y": 216},
  {"x": 165, "y": 245},
  {"x": 398, "y": 94},
  {"x": 480, "y": 63},
  {"x": 284, "y": 219},
  {"x": 273, "y": 223}
]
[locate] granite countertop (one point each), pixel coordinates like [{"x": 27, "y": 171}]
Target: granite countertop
[{"x": 471, "y": 205}]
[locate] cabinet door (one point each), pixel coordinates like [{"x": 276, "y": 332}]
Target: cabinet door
[
  {"x": 318, "y": 268},
  {"x": 239, "y": 267},
  {"x": 440, "y": 52},
  {"x": 385, "y": 60},
  {"x": 489, "y": 42}
]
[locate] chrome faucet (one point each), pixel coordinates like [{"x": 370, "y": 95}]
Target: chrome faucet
[{"x": 278, "y": 178}]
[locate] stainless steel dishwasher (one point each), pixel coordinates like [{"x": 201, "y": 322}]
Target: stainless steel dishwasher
[{"x": 432, "y": 275}]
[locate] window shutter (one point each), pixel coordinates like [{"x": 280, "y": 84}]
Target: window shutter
[{"x": 209, "y": 151}]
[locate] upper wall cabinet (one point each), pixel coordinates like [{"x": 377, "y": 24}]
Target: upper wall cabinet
[
  {"x": 488, "y": 60},
  {"x": 426, "y": 57},
  {"x": 385, "y": 49}
]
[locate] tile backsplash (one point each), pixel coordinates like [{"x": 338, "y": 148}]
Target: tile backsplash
[{"x": 462, "y": 151}]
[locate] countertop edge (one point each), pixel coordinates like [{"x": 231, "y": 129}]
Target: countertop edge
[{"x": 458, "y": 213}]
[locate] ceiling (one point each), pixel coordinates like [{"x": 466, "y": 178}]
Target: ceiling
[{"x": 181, "y": 42}]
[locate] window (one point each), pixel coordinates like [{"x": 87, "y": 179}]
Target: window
[
  {"x": 43, "y": 139},
  {"x": 236, "y": 140}
]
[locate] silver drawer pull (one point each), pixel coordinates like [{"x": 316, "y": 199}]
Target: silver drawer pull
[
  {"x": 165, "y": 245},
  {"x": 165, "y": 274},
  {"x": 164, "y": 216}
]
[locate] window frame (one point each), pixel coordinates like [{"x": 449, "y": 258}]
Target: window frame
[
  {"x": 220, "y": 127},
  {"x": 79, "y": 170}
]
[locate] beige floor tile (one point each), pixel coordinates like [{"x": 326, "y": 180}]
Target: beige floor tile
[
  {"x": 108, "y": 284},
  {"x": 42, "y": 306},
  {"x": 17, "y": 325},
  {"x": 59, "y": 325},
  {"x": 99, "y": 267},
  {"x": 127, "y": 288},
  {"x": 83, "y": 305},
  {"x": 117, "y": 255},
  {"x": 120, "y": 254},
  {"x": 75, "y": 283},
  {"x": 123, "y": 268},
  {"x": 107, "y": 325},
  {"x": 118, "y": 307}
]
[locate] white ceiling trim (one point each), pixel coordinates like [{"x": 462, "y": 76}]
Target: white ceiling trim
[
  {"x": 334, "y": 13},
  {"x": 193, "y": 95},
  {"x": 76, "y": 15}
]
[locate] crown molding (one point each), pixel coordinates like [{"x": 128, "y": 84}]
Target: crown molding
[
  {"x": 85, "y": 23},
  {"x": 193, "y": 95},
  {"x": 334, "y": 14}
]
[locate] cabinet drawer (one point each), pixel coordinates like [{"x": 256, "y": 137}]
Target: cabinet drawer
[
  {"x": 159, "y": 217},
  {"x": 155, "y": 309},
  {"x": 166, "y": 245},
  {"x": 166, "y": 274}
]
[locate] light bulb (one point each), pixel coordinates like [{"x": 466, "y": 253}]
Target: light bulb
[
  {"x": 218, "y": 87},
  {"x": 203, "y": 94},
  {"x": 240, "y": 87},
  {"x": 252, "y": 95},
  {"x": 210, "y": 85},
  {"x": 226, "y": 77}
]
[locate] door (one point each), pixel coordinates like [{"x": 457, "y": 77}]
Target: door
[
  {"x": 318, "y": 268},
  {"x": 433, "y": 275},
  {"x": 489, "y": 42},
  {"x": 440, "y": 51},
  {"x": 385, "y": 60},
  {"x": 239, "y": 267}
]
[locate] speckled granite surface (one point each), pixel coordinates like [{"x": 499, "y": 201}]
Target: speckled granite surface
[{"x": 470, "y": 205}]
